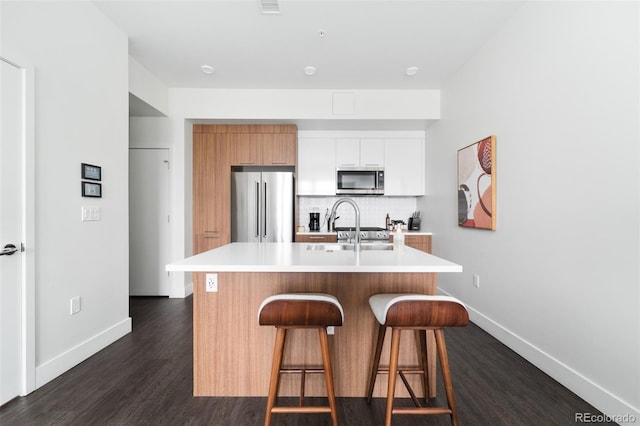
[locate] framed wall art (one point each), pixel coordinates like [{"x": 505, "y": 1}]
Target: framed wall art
[
  {"x": 91, "y": 172},
  {"x": 91, "y": 189},
  {"x": 477, "y": 185}
]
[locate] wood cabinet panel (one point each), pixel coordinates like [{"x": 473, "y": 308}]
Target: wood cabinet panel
[
  {"x": 306, "y": 238},
  {"x": 419, "y": 242},
  {"x": 211, "y": 191},
  {"x": 215, "y": 149},
  {"x": 279, "y": 149},
  {"x": 228, "y": 319},
  {"x": 263, "y": 149}
]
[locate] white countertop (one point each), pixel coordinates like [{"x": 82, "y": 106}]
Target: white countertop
[{"x": 294, "y": 257}]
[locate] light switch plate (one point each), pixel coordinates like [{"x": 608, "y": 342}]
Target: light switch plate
[{"x": 90, "y": 213}]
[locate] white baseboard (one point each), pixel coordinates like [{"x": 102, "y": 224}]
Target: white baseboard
[
  {"x": 74, "y": 356},
  {"x": 618, "y": 410},
  {"x": 181, "y": 287}
]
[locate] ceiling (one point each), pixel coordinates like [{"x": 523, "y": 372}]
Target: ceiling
[{"x": 353, "y": 44}]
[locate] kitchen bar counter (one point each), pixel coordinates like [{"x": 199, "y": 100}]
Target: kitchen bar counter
[
  {"x": 295, "y": 257},
  {"x": 232, "y": 353}
]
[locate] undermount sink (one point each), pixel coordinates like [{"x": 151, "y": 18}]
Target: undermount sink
[{"x": 349, "y": 247}]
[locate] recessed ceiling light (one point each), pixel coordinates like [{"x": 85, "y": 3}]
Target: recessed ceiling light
[
  {"x": 309, "y": 70},
  {"x": 322, "y": 33},
  {"x": 412, "y": 70},
  {"x": 208, "y": 69}
]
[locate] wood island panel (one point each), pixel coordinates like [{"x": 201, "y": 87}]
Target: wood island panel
[{"x": 232, "y": 353}]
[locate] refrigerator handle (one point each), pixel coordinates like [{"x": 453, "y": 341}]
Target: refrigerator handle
[
  {"x": 264, "y": 230},
  {"x": 257, "y": 209}
]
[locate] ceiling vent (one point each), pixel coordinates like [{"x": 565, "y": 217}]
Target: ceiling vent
[{"x": 269, "y": 7}]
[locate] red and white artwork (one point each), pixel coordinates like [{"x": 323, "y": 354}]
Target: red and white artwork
[{"x": 477, "y": 185}]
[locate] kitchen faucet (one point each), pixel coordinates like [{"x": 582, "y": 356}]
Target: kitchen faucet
[{"x": 356, "y": 209}]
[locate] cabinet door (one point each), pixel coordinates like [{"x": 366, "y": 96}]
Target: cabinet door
[
  {"x": 347, "y": 152},
  {"x": 317, "y": 166},
  {"x": 420, "y": 242},
  {"x": 306, "y": 238},
  {"x": 372, "y": 152},
  {"x": 246, "y": 149},
  {"x": 211, "y": 191},
  {"x": 279, "y": 149},
  {"x": 204, "y": 185},
  {"x": 404, "y": 167}
]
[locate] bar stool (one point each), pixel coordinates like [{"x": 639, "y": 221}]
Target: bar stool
[
  {"x": 417, "y": 312},
  {"x": 300, "y": 310}
]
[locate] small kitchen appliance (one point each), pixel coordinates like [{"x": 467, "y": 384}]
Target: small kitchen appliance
[
  {"x": 359, "y": 181},
  {"x": 414, "y": 222},
  {"x": 314, "y": 221}
]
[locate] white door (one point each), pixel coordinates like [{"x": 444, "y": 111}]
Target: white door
[
  {"x": 148, "y": 222},
  {"x": 11, "y": 211}
]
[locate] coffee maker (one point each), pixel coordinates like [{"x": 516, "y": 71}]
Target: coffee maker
[{"x": 314, "y": 221}]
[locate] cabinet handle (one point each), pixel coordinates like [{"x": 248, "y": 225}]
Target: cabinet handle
[{"x": 316, "y": 238}]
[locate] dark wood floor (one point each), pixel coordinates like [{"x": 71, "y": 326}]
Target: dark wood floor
[{"x": 145, "y": 379}]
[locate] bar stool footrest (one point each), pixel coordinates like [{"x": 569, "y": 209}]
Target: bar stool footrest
[
  {"x": 306, "y": 409},
  {"x": 421, "y": 410}
]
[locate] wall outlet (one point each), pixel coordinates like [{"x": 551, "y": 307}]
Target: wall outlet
[
  {"x": 476, "y": 280},
  {"x": 331, "y": 330},
  {"x": 74, "y": 305},
  {"x": 211, "y": 282}
]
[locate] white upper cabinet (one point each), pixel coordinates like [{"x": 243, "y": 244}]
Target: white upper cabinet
[
  {"x": 404, "y": 167},
  {"x": 347, "y": 152},
  {"x": 372, "y": 152},
  {"x": 400, "y": 153},
  {"x": 316, "y": 166},
  {"x": 359, "y": 152}
]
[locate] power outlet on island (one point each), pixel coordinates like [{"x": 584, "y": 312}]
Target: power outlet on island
[{"x": 211, "y": 283}]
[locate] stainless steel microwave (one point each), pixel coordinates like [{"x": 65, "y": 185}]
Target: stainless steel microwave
[{"x": 360, "y": 181}]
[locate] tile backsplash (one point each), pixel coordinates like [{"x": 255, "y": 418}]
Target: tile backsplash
[{"x": 373, "y": 210}]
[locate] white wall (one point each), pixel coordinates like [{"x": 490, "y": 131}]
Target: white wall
[
  {"x": 81, "y": 115},
  {"x": 558, "y": 86},
  {"x": 147, "y": 87},
  {"x": 305, "y": 104}
]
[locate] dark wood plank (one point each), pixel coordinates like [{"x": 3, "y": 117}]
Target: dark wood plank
[{"x": 145, "y": 378}]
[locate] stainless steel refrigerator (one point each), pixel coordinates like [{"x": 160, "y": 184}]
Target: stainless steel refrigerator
[{"x": 262, "y": 206}]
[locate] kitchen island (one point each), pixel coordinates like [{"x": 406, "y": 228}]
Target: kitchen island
[{"x": 232, "y": 353}]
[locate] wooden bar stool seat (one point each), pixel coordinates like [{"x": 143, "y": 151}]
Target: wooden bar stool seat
[
  {"x": 300, "y": 310},
  {"x": 421, "y": 313}
]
